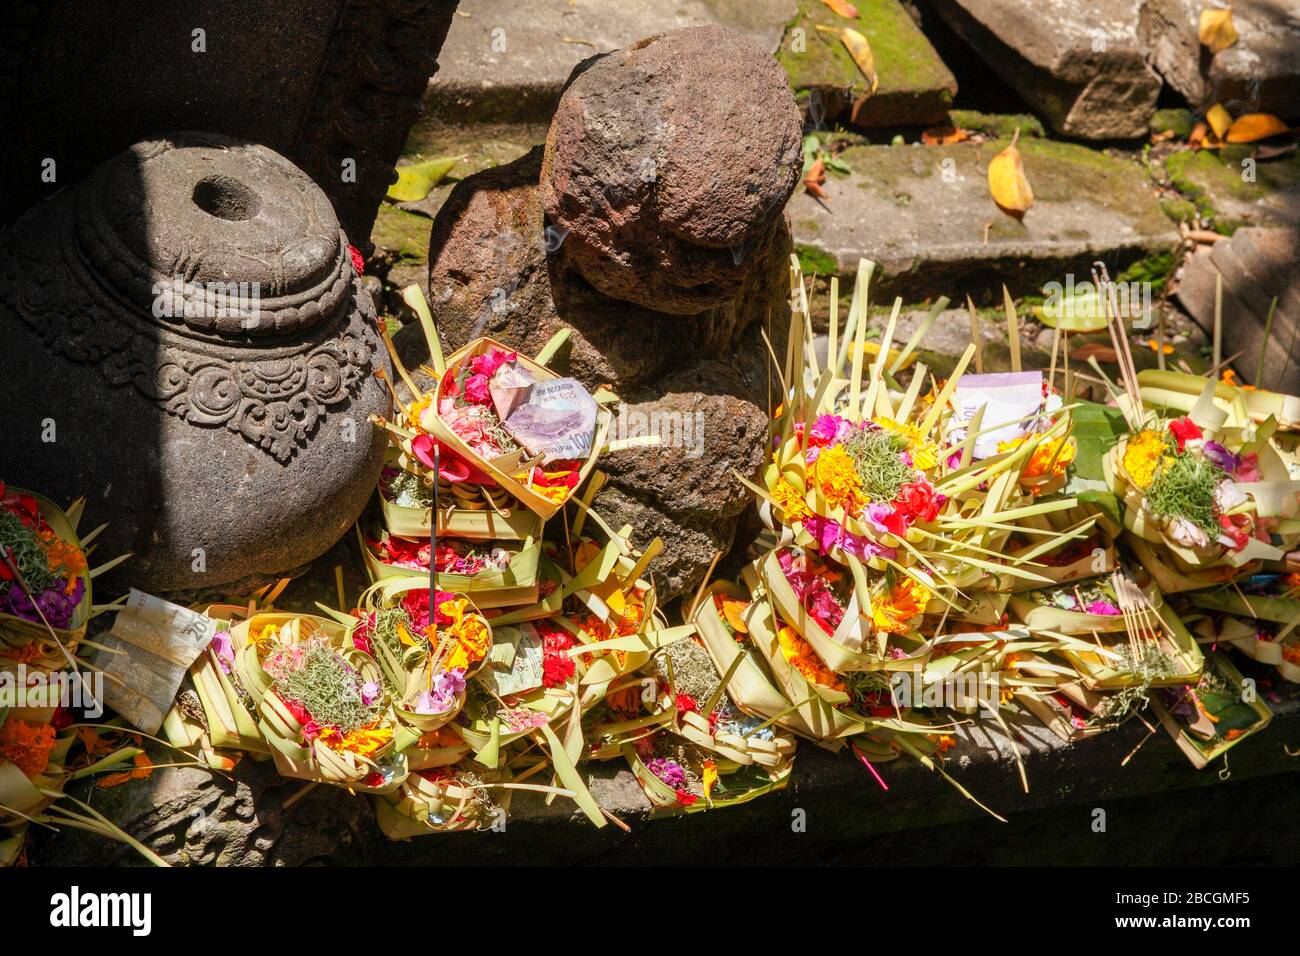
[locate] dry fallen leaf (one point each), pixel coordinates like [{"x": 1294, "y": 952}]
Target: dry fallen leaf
[
  {"x": 1007, "y": 182},
  {"x": 812, "y": 183},
  {"x": 1216, "y": 30},
  {"x": 1102, "y": 353},
  {"x": 843, "y": 8},
  {"x": 1220, "y": 119},
  {"x": 860, "y": 50},
  {"x": 733, "y": 610},
  {"x": 1198, "y": 133},
  {"x": 143, "y": 768},
  {"x": 1254, "y": 126},
  {"x": 944, "y": 135}
]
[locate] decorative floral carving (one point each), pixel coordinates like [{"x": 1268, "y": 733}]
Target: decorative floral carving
[{"x": 274, "y": 398}]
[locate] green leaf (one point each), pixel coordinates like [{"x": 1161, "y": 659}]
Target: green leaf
[{"x": 415, "y": 181}]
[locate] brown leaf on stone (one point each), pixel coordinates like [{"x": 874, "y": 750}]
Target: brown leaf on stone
[
  {"x": 860, "y": 50},
  {"x": 1255, "y": 126},
  {"x": 842, "y": 8},
  {"x": 944, "y": 135},
  {"x": 1216, "y": 31},
  {"x": 1198, "y": 133},
  {"x": 1102, "y": 353},
  {"x": 1007, "y": 183}
]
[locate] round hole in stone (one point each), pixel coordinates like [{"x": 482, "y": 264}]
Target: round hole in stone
[{"x": 226, "y": 198}]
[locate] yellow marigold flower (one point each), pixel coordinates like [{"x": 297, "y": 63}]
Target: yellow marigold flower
[
  {"x": 470, "y": 632},
  {"x": 790, "y": 500},
  {"x": 1142, "y": 456},
  {"x": 366, "y": 741},
  {"x": 838, "y": 479},
  {"x": 1045, "y": 456},
  {"x": 925, "y": 453},
  {"x": 906, "y": 599}
]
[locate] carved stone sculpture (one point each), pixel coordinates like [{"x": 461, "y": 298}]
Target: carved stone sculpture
[{"x": 188, "y": 345}]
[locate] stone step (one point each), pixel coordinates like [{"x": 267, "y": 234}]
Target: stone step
[
  {"x": 915, "y": 87},
  {"x": 1235, "y": 189},
  {"x": 1079, "y": 65},
  {"x": 506, "y": 61},
  {"x": 926, "y": 216},
  {"x": 1261, "y": 70}
]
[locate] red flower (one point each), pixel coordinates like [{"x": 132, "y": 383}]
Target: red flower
[
  {"x": 557, "y": 666},
  {"x": 358, "y": 263},
  {"x": 686, "y": 704},
  {"x": 1235, "y": 527},
  {"x": 1184, "y": 430},
  {"x": 685, "y": 797},
  {"x": 918, "y": 499}
]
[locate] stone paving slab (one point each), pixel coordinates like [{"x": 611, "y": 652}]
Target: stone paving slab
[
  {"x": 506, "y": 61},
  {"x": 925, "y": 215},
  {"x": 915, "y": 87},
  {"x": 1079, "y": 64}
]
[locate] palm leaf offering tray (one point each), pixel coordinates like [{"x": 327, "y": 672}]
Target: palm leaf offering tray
[{"x": 936, "y": 554}]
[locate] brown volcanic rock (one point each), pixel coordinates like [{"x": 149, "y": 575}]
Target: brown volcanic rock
[
  {"x": 668, "y": 165},
  {"x": 493, "y": 270}
]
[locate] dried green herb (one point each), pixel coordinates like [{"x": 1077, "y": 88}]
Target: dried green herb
[{"x": 878, "y": 462}]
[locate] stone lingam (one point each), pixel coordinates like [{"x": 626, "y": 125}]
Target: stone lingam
[
  {"x": 652, "y": 227},
  {"x": 186, "y": 343}
]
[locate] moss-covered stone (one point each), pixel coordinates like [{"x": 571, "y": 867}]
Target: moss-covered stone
[
  {"x": 1155, "y": 268},
  {"x": 1178, "y": 122},
  {"x": 814, "y": 262},
  {"x": 401, "y": 241},
  {"x": 997, "y": 124},
  {"x": 926, "y": 216},
  {"x": 914, "y": 86},
  {"x": 1232, "y": 187},
  {"x": 1179, "y": 210}
]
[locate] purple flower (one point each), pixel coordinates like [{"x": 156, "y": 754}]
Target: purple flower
[
  {"x": 1102, "y": 607},
  {"x": 224, "y": 649},
  {"x": 442, "y": 696},
  {"x": 669, "y": 771},
  {"x": 1220, "y": 456},
  {"x": 831, "y": 534},
  {"x": 370, "y": 692}
]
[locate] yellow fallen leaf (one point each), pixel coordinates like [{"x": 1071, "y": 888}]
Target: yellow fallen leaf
[
  {"x": 710, "y": 778},
  {"x": 1220, "y": 119},
  {"x": 1216, "y": 30},
  {"x": 1254, "y": 126},
  {"x": 843, "y": 8},
  {"x": 860, "y": 50},
  {"x": 416, "y": 180},
  {"x": 1007, "y": 183}
]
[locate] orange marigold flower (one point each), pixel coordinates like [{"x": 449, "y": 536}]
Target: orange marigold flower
[
  {"x": 905, "y": 601},
  {"x": 800, "y": 655},
  {"x": 790, "y": 500},
  {"x": 838, "y": 479},
  {"x": 26, "y": 745}
]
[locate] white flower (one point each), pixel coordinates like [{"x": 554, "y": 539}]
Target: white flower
[
  {"x": 1227, "y": 495},
  {"x": 1187, "y": 534}
]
